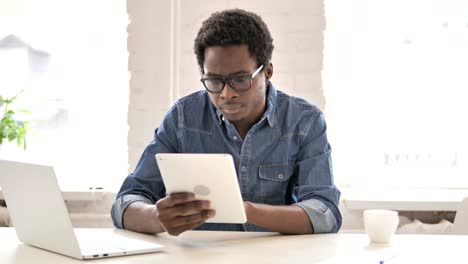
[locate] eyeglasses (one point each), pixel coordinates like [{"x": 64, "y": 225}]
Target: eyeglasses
[{"x": 239, "y": 83}]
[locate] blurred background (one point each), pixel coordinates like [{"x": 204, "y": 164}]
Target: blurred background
[{"x": 98, "y": 77}]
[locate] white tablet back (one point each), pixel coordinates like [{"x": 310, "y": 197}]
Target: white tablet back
[{"x": 210, "y": 176}]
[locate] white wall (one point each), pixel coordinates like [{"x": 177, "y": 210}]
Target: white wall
[{"x": 163, "y": 66}]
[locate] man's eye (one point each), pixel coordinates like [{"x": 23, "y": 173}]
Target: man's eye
[
  {"x": 214, "y": 81},
  {"x": 240, "y": 79}
]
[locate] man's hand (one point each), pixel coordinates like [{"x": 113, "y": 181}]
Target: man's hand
[{"x": 179, "y": 212}]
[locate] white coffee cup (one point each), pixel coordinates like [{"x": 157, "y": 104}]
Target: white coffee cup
[{"x": 380, "y": 224}]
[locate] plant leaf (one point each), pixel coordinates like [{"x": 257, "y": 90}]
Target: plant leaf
[
  {"x": 12, "y": 134},
  {"x": 10, "y": 127}
]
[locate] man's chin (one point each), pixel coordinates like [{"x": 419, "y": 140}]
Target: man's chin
[
  {"x": 232, "y": 117},
  {"x": 232, "y": 113}
]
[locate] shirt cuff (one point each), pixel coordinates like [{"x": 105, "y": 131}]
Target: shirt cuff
[
  {"x": 121, "y": 204},
  {"x": 321, "y": 217}
]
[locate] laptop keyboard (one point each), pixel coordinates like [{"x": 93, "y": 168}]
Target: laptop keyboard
[
  {"x": 111, "y": 244},
  {"x": 89, "y": 249},
  {"x": 100, "y": 248}
]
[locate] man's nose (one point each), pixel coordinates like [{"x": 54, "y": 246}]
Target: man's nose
[{"x": 228, "y": 92}]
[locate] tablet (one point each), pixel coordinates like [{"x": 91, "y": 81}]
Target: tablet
[{"x": 210, "y": 176}]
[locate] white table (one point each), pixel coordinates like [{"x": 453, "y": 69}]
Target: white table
[
  {"x": 403, "y": 199},
  {"x": 246, "y": 248}
]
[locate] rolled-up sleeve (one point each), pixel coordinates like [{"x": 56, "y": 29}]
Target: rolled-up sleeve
[
  {"x": 315, "y": 191},
  {"x": 121, "y": 204},
  {"x": 320, "y": 215}
]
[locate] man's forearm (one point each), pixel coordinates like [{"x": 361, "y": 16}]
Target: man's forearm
[
  {"x": 141, "y": 217},
  {"x": 286, "y": 219}
]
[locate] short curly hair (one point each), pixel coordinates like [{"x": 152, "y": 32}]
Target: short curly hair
[{"x": 235, "y": 27}]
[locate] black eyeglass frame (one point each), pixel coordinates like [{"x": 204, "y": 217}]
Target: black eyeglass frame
[{"x": 225, "y": 80}]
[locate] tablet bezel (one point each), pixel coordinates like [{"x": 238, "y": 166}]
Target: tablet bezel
[{"x": 183, "y": 172}]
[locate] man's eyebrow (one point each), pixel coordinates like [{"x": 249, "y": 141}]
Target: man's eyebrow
[{"x": 232, "y": 74}]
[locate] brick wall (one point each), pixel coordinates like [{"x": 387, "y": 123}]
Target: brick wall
[{"x": 163, "y": 67}]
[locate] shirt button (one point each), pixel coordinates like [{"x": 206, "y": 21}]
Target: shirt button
[
  {"x": 280, "y": 176},
  {"x": 234, "y": 137},
  {"x": 244, "y": 168}
]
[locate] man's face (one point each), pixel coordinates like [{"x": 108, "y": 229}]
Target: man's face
[{"x": 227, "y": 61}]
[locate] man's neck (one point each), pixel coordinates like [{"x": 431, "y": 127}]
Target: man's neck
[
  {"x": 244, "y": 126},
  {"x": 242, "y": 130}
]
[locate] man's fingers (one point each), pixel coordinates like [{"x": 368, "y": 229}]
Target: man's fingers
[
  {"x": 175, "y": 199},
  {"x": 179, "y": 230},
  {"x": 195, "y": 207},
  {"x": 193, "y": 218},
  {"x": 188, "y": 208},
  {"x": 182, "y": 216}
]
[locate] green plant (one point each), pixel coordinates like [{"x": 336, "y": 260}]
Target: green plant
[{"x": 11, "y": 127}]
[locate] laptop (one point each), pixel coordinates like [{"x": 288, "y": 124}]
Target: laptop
[{"x": 40, "y": 217}]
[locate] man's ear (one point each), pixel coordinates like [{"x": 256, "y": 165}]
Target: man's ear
[{"x": 268, "y": 72}]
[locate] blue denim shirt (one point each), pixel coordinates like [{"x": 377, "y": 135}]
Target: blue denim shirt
[{"x": 283, "y": 160}]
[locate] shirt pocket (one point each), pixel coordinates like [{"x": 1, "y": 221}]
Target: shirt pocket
[{"x": 274, "y": 181}]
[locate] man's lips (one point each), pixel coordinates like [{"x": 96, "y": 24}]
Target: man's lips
[{"x": 231, "y": 108}]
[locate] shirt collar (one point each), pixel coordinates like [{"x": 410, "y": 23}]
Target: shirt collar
[
  {"x": 272, "y": 96},
  {"x": 270, "y": 107}
]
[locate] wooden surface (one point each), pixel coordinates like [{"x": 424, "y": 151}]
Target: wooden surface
[{"x": 244, "y": 247}]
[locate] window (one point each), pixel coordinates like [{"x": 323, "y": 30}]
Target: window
[
  {"x": 395, "y": 78},
  {"x": 70, "y": 58}
]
